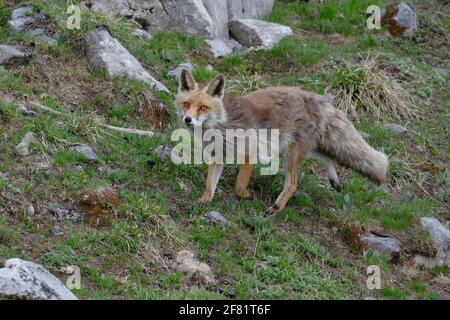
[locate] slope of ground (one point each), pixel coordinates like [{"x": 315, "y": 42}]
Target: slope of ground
[{"x": 307, "y": 251}]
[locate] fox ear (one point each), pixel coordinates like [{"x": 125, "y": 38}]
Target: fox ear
[
  {"x": 216, "y": 88},
  {"x": 187, "y": 82}
]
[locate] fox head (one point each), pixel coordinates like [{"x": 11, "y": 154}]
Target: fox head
[{"x": 200, "y": 104}]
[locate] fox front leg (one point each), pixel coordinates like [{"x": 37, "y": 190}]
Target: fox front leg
[
  {"x": 214, "y": 173},
  {"x": 243, "y": 179}
]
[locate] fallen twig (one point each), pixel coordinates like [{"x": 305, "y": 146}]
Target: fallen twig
[{"x": 118, "y": 129}]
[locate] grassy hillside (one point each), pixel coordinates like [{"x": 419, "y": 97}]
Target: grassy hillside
[{"x": 309, "y": 251}]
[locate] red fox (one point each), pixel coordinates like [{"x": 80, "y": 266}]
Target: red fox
[{"x": 309, "y": 127}]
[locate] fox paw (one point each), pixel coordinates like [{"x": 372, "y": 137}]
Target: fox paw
[
  {"x": 336, "y": 185},
  {"x": 205, "y": 199},
  {"x": 273, "y": 209},
  {"x": 248, "y": 195}
]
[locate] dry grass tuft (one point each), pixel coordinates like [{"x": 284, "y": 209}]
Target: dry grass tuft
[
  {"x": 367, "y": 89},
  {"x": 245, "y": 84}
]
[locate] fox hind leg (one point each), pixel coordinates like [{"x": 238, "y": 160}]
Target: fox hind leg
[
  {"x": 332, "y": 174},
  {"x": 214, "y": 174},
  {"x": 243, "y": 179},
  {"x": 290, "y": 184}
]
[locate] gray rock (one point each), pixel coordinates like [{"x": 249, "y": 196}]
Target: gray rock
[
  {"x": 195, "y": 271},
  {"x": 218, "y": 11},
  {"x": 395, "y": 129},
  {"x": 440, "y": 237},
  {"x": 24, "y": 17},
  {"x": 86, "y": 151},
  {"x": 26, "y": 112},
  {"x": 219, "y": 48},
  {"x": 206, "y": 18},
  {"x": 249, "y": 9},
  {"x": 442, "y": 71},
  {"x": 141, "y": 33},
  {"x": 23, "y": 147},
  {"x": 27, "y": 280},
  {"x": 214, "y": 217},
  {"x": 384, "y": 246},
  {"x": 30, "y": 211},
  {"x": 187, "y": 16},
  {"x": 55, "y": 230},
  {"x": 264, "y": 265},
  {"x": 10, "y": 54},
  {"x": 257, "y": 33},
  {"x": 209, "y": 68},
  {"x": 403, "y": 22},
  {"x": 177, "y": 71},
  {"x": 105, "y": 52},
  {"x": 63, "y": 215}
]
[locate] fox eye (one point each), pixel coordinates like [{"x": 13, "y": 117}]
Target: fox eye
[
  {"x": 203, "y": 108},
  {"x": 185, "y": 105}
]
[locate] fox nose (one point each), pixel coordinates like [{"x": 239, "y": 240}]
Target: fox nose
[{"x": 187, "y": 120}]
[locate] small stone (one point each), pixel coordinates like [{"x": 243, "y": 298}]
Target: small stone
[
  {"x": 258, "y": 33},
  {"x": 395, "y": 129},
  {"x": 219, "y": 48},
  {"x": 365, "y": 135},
  {"x": 214, "y": 217},
  {"x": 26, "y": 112},
  {"x": 141, "y": 33},
  {"x": 86, "y": 151},
  {"x": 384, "y": 246},
  {"x": 105, "y": 52},
  {"x": 62, "y": 214},
  {"x": 163, "y": 152},
  {"x": 30, "y": 211},
  {"x": 177, "y": 71},
  {"x": 263, "y": 265},
  {"x": 23, "y": 147},
  {"x": 442, "y": 71},
  {"x": 209, "y": 68},
  {"x": 27, "y": 280},
  {"x": 401, "y": 20},
  {"x": 24, "y": 20},
  {"x": 56, "y": 230}
]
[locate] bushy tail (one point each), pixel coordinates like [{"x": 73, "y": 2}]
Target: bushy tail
[{"x": 340, "y": 140}]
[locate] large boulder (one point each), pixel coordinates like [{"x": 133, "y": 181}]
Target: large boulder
[
  {"x": 206, "y": 18},
  {"x": 27, "y": 280},
  {"x": 401, "y": 20},
  {"x": 105, "y": 52},
  {"x": 189, "y": 17},
  {"x": 257, "y": 33},
  {"x": 384, "y": 246},
  {"x": 249, "y": 9}
]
